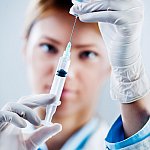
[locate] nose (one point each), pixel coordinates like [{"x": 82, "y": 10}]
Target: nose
[
  {"x": 73, "y": 69},
  {"x": 71, "y": 72}
]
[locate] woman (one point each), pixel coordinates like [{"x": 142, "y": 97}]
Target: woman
[
  {"x": 45, "y": 43},
  {"x": 47, "y": 31}
]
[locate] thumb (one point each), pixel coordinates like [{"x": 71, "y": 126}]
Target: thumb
[{"x": 41, "y": 135}]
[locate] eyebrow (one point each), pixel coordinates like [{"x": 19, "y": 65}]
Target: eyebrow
[
  {"x": 51, "y": 39},
  {"x": 84, "y": 45}
]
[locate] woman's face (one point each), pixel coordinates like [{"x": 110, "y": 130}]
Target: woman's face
[{"x": 89, "y": 65}]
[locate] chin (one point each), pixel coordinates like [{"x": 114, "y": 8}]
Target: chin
[{"x": 65, "y": 110}]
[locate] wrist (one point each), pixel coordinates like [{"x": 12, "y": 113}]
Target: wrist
[{"x": 129, "y": 83}]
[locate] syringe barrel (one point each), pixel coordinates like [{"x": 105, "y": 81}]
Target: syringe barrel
[
  {"x": 57, "y": 89},
  {"x": 59, "y": 78},
  {"x": 57, "y": 85}
]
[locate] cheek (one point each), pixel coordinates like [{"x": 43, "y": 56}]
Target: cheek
[
  {"x": 40, "y": 72},
  {"x": 95, "y": 76}
]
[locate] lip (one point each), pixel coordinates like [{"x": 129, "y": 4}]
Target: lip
[
  {"x": 64, "y": 92},
  {"x": 67, "y": 93}
]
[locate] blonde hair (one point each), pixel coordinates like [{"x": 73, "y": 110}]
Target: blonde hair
[{"x": 38, "y": 8}]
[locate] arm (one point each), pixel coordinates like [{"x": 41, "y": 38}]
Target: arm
[
  {"x": 120, "y": 23},
  {"x": 135, "y": 115}
]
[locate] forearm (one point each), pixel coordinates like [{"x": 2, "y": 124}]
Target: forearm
[{"x": 135, "y": 115}]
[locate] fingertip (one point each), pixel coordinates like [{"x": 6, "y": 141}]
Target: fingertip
[
  {"x": 83, "y": 18},
  {"x": 37, "y": 121},
  {"x": 72, "y": 12},
  {"x": 57, "y": 127},
  {"x": 58, "y": 103},
  {"x": 54, "y": 128},
  {"x": 21, "y": 123},
  {"x": 50, "y": 97},
  {"x": 42, "y": 134}
]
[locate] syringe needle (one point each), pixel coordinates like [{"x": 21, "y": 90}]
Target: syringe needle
[{"x": 73, "y": 28}]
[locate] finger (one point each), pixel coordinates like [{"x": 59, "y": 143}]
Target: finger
[
  {"x": 24, "y": 112},
  {"x": 42, "y": 134},
  {"x": 113, "y": 17},
  {"x": 10, "y": 117},
  {"x": 35, "y": 101},
  {"x": 105, "y": 5},
  {"x": 83, "y": 8},
  {"x": 99, "y": 17}
]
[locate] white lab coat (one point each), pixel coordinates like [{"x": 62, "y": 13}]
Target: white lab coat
[{"x": 97, "y": 139}]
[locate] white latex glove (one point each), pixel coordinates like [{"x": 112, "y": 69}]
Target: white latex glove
[
  {"x": 12, "y": 120},
  {"x": 121, "y": 24}
]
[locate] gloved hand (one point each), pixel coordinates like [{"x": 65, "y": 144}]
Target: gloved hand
[
  {"x": 121, "y": 24},
  {"x": 12, "y": 120}
]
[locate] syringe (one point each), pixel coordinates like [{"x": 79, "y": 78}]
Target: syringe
[{"x": 59, "y": 81}]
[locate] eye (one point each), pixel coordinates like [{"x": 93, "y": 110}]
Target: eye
[
  {"x": 48, "y": 48},
  {"x": 88, "y": 55}
]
